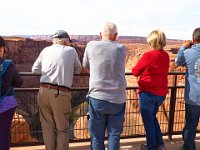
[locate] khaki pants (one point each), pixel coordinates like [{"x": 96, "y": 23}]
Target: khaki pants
[{"x": 54, "y": 117}]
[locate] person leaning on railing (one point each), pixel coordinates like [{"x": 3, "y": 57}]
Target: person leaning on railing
[
  {"x": 57, "y": 65},
  {"x": 153, "y": 71},
  {"x": 189, "y": 56},
  {"x": 105, "y": 60},
  {"x": 9, "y": 78}
]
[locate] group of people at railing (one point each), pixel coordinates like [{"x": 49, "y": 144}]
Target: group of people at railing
[{"x": 104, "y": 60}]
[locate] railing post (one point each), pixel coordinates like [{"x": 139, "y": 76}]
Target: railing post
[{"x": 172, "y": 108}]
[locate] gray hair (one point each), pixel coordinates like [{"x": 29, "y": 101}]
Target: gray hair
[
  {"x": 196, "y": 34},
  {"x": 60, "y": 40},
  {"x": 109, "y": 29}
]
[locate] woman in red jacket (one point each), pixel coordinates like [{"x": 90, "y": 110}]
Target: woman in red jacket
[{"x": 153, "y": 71}]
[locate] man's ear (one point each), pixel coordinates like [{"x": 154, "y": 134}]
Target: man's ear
[
  {"x": 115, "y": 36},
  {"x": 194, "y": 41},
  {"x": 100, "y": 35},
  {"x": 66, "y": 43}
]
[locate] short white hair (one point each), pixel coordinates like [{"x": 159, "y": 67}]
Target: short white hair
[{"x": 109, "y": 28}]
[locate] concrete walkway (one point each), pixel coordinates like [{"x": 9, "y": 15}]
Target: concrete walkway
[{"x": 126, "y": 144}]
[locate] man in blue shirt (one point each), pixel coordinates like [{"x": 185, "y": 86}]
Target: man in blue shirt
[{"x": 189, "y": 56}]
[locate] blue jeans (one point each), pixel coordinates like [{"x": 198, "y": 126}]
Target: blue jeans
[
  {"x": 149, "y": 104},
  {"x": 105, "y": 115},
  {"x": 192, "y": 114}
]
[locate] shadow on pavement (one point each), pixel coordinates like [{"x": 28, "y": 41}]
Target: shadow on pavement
[{"x": 126, "y": 144}]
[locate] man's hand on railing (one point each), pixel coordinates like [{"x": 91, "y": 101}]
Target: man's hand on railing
[{"x": 85, "y": 71}]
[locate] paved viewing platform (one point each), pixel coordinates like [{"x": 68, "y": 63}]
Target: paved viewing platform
[{"x": 126, "y": 144}]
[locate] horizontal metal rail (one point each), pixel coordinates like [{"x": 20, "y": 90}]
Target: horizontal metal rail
[{"x": 26, "y": 127}]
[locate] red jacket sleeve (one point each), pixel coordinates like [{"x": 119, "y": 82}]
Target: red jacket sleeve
[{"x": 140, "y": 66}]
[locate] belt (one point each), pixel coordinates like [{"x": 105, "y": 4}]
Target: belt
[{"x": 54, "y": 86}]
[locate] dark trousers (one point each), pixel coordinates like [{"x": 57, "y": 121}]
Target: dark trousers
[
  {"x": 5, "y": 124},
  {"x": 192, "y": 114}
]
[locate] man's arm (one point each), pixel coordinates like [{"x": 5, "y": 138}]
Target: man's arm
[
  {"x": 86, "y": 60},
  {"x": 180, "y": 58},
  {"x": 37, "y": 66},
  {"x": 140, "y": 66},
  {"x": 77, "y": 64}
]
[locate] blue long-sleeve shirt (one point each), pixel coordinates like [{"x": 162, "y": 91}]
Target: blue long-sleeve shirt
[{"x": 188, "y": 57}]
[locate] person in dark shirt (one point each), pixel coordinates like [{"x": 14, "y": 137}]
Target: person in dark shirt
[{"x": 8, "y": 102}]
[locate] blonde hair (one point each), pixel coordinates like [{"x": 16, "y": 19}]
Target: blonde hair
[
  {"x": 156, "y": 39},
  {"x": 109, "y": 29}
]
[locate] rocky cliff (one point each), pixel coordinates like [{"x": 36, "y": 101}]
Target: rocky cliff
[{"x": 24, "y": 51}]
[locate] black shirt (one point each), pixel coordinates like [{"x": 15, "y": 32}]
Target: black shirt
[{"x": 10, "y": 77}]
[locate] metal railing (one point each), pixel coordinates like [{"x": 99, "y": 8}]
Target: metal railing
[{"x": 26, "y": 127}]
